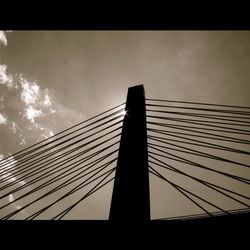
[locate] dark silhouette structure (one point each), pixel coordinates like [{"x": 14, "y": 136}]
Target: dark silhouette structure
[
  {"x": 153, "y": 131},
  {"x": 130, "y": 200}
]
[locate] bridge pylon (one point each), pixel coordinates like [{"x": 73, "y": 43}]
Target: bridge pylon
[{"x": 131, "y": 197}]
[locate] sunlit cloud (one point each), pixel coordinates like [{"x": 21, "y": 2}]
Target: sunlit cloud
[
  {"x": 5, "y": 79},
  {"x": 35, "y": 100},
  {"x": 37, "y": 103},
  {"x": 32, "y": 113},
  {"x": 3, "y": 120},
  {"x": 29, "y": 112},
  {"x": 3, "y": 38},
  {"x": 30, "y": 92},
  {"x": 47, "y": 101}
]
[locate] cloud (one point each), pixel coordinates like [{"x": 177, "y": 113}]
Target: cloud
[
  {"x": 30, "y": 91},
  {"x": 28, "y": 108},
  {"x": 47, "y": 101},
  {"x": 29, "y": 112},
  {"x": 3, "y": 38},
  {"x": 37, "y": 101},
  {"x": 3, "y": 120},
  {"x": 32, "y": 113},
  {"x": 5, "y": 79}
]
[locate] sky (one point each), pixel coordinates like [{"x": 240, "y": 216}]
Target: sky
[{"x": 50, "y": 80}]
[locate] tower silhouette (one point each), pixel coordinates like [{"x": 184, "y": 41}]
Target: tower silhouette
[{"x": 130, "y": 199}]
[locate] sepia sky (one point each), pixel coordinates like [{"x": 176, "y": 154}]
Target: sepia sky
[{"x": 50, "y": 80}]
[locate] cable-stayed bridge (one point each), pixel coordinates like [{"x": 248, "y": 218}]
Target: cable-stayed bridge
[{"x": 157, "y": 160}]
